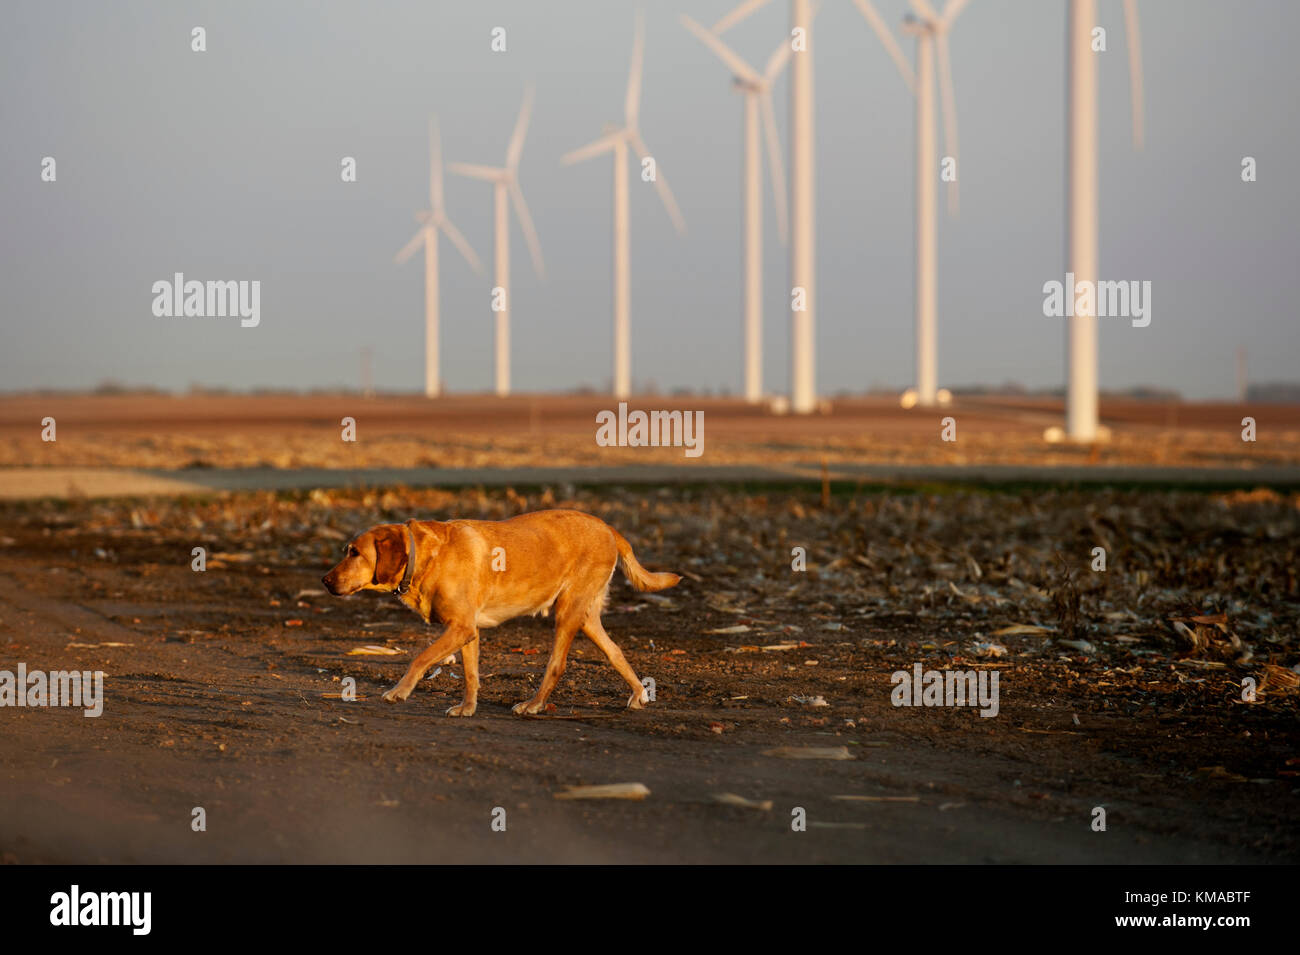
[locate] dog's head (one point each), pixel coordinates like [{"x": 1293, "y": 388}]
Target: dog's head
[{"x": 373, "y": 560}]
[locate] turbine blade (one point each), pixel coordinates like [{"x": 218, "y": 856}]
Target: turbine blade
[
  {"x": 594, "y": 148},
  {"x": 1136, "y": 104},
  {"x": 951, "y": 12},
  {"x": 949, "y": 114},
  {"x": 516, "y": 147},
  {"x": 632, "y": 103},
  {"x": 461, "y": 243},
  {"x": 925, "y": 10},
  {"x": 435, "y": 166},
  {"x": 661, "y": 186},
  {"x": 777, "y": 61},
  {"x": 887, "y": 40},
  {"x": 745, "y": 8},
  {"x": 475, "y": 171},
  {"x": 408, "y": 250},
  {"x": 526, "y": 225},
  {"x": 776, "y": 171},
  {"x": 723, "y": 52}
]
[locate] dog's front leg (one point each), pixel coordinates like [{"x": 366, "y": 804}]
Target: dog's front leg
[
  {"x": 469, "y": 653},
  {"x": 452, "y": 639}
]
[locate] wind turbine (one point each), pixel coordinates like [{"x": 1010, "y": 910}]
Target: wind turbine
[
  {"x": 617, "y": 139},
  {"x": 803, "y": 358},
  {"x": 1081, "y": 200},
  {"x": 431, "y": 221},
  {"x": 505, "y": 182},
  {"x": 931, "y": 31},
  {"x": 758, "y": 101}
]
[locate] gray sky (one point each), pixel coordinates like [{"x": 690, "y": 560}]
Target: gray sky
[{"x": 225, "y": 165}]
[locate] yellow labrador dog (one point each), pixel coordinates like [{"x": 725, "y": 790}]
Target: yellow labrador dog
[{"x": 476, "y": 574}]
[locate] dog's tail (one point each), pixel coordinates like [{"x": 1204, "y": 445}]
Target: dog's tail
[{"x": 638, "y": 576}]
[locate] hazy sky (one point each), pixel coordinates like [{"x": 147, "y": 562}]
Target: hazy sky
[{"x": 225, "y": 165}]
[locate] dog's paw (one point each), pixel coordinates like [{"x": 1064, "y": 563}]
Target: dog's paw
[
  {"x": 462, "y": 709},
  {"x": 528, "y": 707},
  {"x": 638, "y": 699},
  {"x": 396, "y": 695}
]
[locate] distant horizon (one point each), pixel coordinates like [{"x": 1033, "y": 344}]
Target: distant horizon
[{"x": 1151, "y": 393}]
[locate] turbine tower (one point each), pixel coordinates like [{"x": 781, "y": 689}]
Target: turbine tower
[
  {"x": 931, "y": 31},
  {"x": 1081, "y": 199},
  {"x": 616, "y": 140},
  {"x": 803, "y": 256},
  {"x": 432, "y": 221},
  {"x": 758, "y": 103},
  {"x": 505, "y": 183}
]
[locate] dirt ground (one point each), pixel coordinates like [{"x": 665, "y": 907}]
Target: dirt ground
[
  {"x": 222, "y": 687},
  {"x": 183, "y": 432}
]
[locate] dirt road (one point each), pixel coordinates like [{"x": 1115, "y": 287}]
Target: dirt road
[{"x": 80, "y": 483}]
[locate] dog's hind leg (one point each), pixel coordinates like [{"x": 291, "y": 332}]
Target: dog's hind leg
[
  {"x": 452, "y": 639},
  {"x": 592, "y": 628},
  {"x": 468, "y": 653},
  {"x": 566, "y": 628}
]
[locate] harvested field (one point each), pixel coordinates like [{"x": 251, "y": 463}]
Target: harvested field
[{"x": 1120, "y": 689}]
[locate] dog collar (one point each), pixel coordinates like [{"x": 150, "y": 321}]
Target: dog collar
[{"x": 405, "y": 585}]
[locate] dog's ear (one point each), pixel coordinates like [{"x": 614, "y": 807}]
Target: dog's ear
[{"x": 390, "y": 554}]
